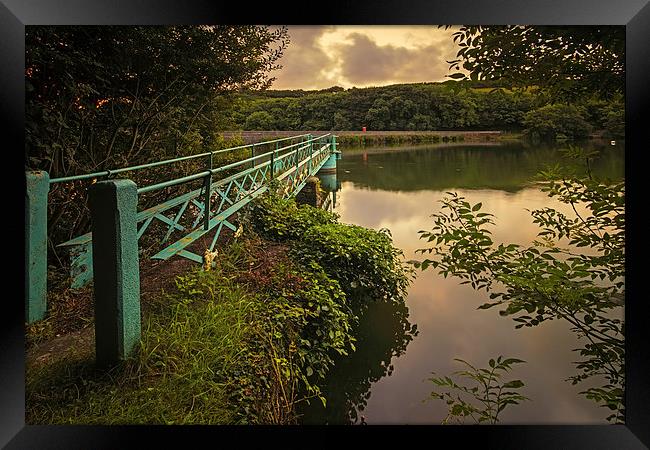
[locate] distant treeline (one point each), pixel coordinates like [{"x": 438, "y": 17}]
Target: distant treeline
[{"x": 450, "y": 105}]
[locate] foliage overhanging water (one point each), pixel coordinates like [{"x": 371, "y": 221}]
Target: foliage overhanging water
[{"x": 398, "y": 188}]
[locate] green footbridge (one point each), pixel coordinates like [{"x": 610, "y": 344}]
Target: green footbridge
[{"x": 109, "y": 254}]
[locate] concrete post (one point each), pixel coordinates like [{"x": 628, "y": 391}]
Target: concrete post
[
  {"x": 37, "y": 188},
  {"x": 113, "y": 206}
]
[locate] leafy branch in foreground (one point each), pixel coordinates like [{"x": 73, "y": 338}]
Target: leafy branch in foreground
[
  {"x": 484, "y": 401},
  {"x": 566, "y": 62},
  {"x": 544, "y": 281}
]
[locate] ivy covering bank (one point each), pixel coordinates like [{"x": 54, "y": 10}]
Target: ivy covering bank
[{"x": 244, "y": 342}]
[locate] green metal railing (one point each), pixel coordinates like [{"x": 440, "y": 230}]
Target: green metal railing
[
  {"x": 232, "y": 190},
  {"x": 113, "y": 172},
  {"x": 211, "y": 205}
]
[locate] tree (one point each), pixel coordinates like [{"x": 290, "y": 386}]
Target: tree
[
  {"x": 547, "y": 281},
  {"x": 260, "y": 120},
  {"x": 378, "y": 117},
  {"x": 566, "y": 61},
  {"x": 94, "y": 94},
  {"x": 102, "y": 97},
  {"x": 341, "y": 122},
  {"x": 551, "y": 121}
]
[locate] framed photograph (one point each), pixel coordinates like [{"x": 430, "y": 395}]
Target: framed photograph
[{"x": 418, "y": 217}]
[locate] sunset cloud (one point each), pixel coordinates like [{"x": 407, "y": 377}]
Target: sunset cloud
[
  {"x": 305, "y": 62},
  {"x": 319, "y": 57},
  {"x": 364, "y": 62}
]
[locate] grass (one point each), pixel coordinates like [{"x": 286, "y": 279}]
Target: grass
[
  {"x": 182, "y": 372},
  {"x": 197, "y": 362},
  {"x": 392, "y": 139}
]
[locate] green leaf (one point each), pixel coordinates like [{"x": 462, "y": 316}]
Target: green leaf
[
  {"x": 509, "y": 361},
  {"x": 513, "y": 384},
  {"x": 488, "y": 305}
]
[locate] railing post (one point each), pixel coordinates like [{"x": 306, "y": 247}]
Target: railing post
[
  {"x": 272, "y": 164},
  {"x": 298, "y": 157},
  {"x": 37, "y": 188},
  {"x": 253, "y": 156},
  {"x": 113, "y": 207},
  {"x": 311, "y": 151},
  {"x": 207, "y": 185}
]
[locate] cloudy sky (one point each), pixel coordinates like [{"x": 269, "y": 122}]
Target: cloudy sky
[{"x": 319, "y": 57}]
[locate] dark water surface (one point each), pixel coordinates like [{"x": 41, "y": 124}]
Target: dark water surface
[{"x": 384, "y": 381}]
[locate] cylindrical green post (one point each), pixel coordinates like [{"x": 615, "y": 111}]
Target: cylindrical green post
[
  {"x": 37, "y": 188},
  {"x": 328, "y": 181},
  {"x": 113, "y": 206},
  {"x": 330, "y": 164}
]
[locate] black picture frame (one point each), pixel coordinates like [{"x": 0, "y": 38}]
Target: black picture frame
[{"x": 633, "y": 14}]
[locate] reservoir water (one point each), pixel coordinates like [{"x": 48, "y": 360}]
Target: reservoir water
[{"x": 385, "y": 380}]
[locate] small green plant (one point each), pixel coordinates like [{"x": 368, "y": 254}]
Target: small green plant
[
  {"x": 307, "y": 317},
  {"x": 485, "y": 397},
  {"x": 242, "y": 343},
  {"x": 238, "y": 344}
]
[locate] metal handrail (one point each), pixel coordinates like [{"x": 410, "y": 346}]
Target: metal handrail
[
  {"x": 202, "y": 175},
  {"x": 143, "y": 215},
  {"x": 168, "y": 161}
]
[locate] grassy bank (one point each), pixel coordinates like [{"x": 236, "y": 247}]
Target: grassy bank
[
  {"x": 395, "y": 139},
  {"x": 358, "y": 137},
  {"x": 243, "y": 343}
]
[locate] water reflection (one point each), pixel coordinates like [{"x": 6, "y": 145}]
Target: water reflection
[
  {"x": 347, "y": 388},
  {"x": 330, "y": 183},
  {"x": 398, "y": 189},
  {"x": 507, "y": 167}
]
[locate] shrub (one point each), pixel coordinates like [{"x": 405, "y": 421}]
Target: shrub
[
  {"x": 364, "y": 261},
  {"x": 280, "y": 219},
  {"x": 615, "y": 122}
]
